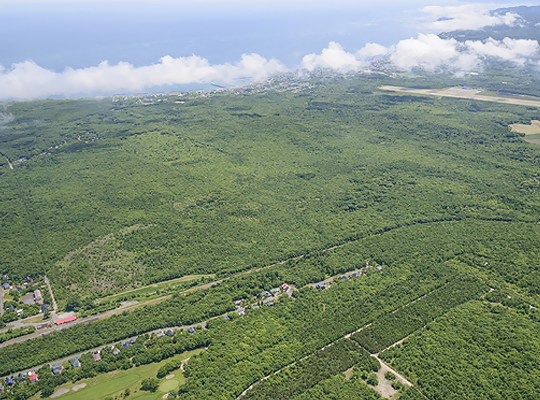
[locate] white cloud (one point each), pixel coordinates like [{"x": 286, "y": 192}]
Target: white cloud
[
  {"x": 516, "y": 50},
  {"x": 29, "y": 80},
  {"x": 469, "y": 16},
  {"x": 335, "y": 57},
  {"x": 430, "y": 52},
  {"x": 372, "y": 50}
]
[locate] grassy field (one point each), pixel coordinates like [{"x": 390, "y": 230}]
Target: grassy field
[
  {"x": 147, "y": 291},
  {"x": 528, "y": 129},
  {"x": 115, "y": 383}
]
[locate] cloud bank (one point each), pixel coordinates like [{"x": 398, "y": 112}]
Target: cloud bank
[
  {"x": 470, "y": 16},
  {"x": 427, "y": 51},
  {"x": 28, "y": 80}
]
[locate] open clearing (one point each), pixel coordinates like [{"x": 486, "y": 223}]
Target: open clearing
[
  {"x": 531, "y": 129},
  {"x": 465, "y": 93},
  {"x": 115, "y": 383},
  {"x": 151, "y": 289}
]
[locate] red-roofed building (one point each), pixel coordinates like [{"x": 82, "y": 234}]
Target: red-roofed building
[
  {"x": 97, "y": 357},
  {"x": 64, "y": 320},
  {"x": 33, "y": 378}
]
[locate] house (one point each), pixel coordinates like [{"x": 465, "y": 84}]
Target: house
[
  {"x": 266, "y": 293},
  {"x": 356, "y": 274},
  {"x": 57, "y": 369},
  {"x": 274, "y": 290},
  {"x": 5, "y": 286},
  {"x": 169, "y": 333},
  {"x": 37, "y": 296},
  {"x": 378, "y": 267},
  {"x": 270, "y": 303},
  {"x": 5, "y": 277},
  {"x": 10, "y": 381},
  {"x": 116, "y": 352},
  {"x": 44, "y": 308},
  {"x": 344, "y": 277},
  {"x": 285, "y": 286},
  {"x": 42, "y": 326},
  {"x": 75, "y": 363},
  {"x": 22, "y": 377},
  {"x": 97, "y": 357},
  {"x": 160, "y": 335},
  {"x": 33, "y": 378},
  {"x": 127, "y": 344},
  {"x": 238, "y": 302},
  {"x": 20, "y": 312},
  {"x": 132, "y": 341},
  {"x": 320, "y": 286},
  {"x": 241, "y": 312},
  {"x": 227, "y": 317},
  {"x": 28, "y": 279},
  {"x": 191, "y": 330}
]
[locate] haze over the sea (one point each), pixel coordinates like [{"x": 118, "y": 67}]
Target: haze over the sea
[{"x": 50, "y": 37}]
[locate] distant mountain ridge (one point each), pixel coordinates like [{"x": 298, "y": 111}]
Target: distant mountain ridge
[{"x": 527, "y": 28}]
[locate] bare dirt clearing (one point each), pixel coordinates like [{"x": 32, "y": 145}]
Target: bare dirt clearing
[
  {"x": 79, "y": 387},
  {"x": 59, "y": 393}
]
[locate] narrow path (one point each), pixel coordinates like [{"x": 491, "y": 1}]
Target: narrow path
[
  {"x": 384, "y": 387},
  {"x": 347, "y": 336},
  {"x": 132, "y": 307},
  {"x": 55, "y": 308},
  {"x": 9, "y": 162}
]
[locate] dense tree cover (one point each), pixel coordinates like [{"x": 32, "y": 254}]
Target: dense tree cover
[
  {"x": 340, "y": 388},
  {"x": 396, "y": 325},
  {"x": 13, "y": 333},
  {"x": 306, "y": 373},
  {"x": 425, "y": 187},
  {"x": 220, "y": 191},
  {"x": 476, "y": 351},
  {"x": 411, "y": 393}
]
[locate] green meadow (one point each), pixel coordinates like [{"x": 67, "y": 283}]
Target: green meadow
[{"x": 115, "y": 383}]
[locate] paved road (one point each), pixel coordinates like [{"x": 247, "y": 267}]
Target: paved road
[{"x": 197, "y": 326}]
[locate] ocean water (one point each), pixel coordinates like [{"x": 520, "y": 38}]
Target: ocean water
[{"x": 77, "y": 35}]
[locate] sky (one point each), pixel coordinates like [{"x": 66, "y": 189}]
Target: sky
[{"x": 75, "y": 48}]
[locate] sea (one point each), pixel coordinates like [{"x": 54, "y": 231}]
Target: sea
[{"x": 77, "y": 34}]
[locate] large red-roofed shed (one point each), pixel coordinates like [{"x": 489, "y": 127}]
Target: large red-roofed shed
[{"x": 64, "y": 320}]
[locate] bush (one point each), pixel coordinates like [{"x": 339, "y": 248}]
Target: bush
[
  {"x": 150, "y": 384},
  {"x": 372, "y": 379}
]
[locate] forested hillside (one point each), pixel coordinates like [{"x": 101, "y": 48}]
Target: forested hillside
[{"x": 434, "y": 202}]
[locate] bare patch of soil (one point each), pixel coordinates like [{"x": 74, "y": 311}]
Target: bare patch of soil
[{"x": 59, "y": 393}]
